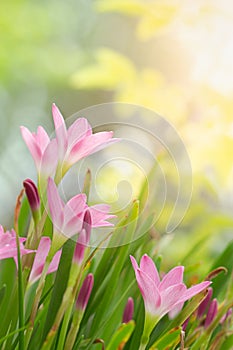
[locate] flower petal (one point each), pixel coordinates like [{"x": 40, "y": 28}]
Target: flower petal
[
  {"x": 148, "y": 266},
  {"x": 56, "y": 205},
  {"x": 174, "y": 276},
  {"x": 49, "y": 159},
  {"x": 134, "y": 263},
  {"x": 42, "y": 138},
  {"x": 175, "y": 310},
  {"x": 32, "y": 145},
  {"x": 149, "y": 291},
  {"x": 99, "y": 215},
  {"x": 78, "y": 130},
  {"x": 195, "y": 290},
  {"x": 61, "y": 132},
  {"x": 75, "y": 206},
  {"x": 172, "y": 297},
  {"x": 89, "y": 145},
  {"x": 40, "y": 258}
]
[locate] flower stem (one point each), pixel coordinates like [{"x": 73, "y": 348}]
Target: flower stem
[
  {"x": 39, "y": 291},
  {"x": 20, "y": 296},
  {"x": 73, "y": 330}
]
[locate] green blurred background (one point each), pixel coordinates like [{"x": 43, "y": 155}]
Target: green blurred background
[{"x": 174, "y": 57}]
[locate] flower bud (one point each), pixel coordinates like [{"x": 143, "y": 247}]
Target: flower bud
[
  {"x": 128, "y": 311},
  {"x": 212, "y": 312},
  {"x": 85, "y": 292},
  {"x": 33, "y": 197},
  {"x": 205, "y": 303}
]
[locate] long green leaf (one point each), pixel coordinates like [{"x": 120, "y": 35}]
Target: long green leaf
[
  {"x": 121, "y": 336},
  {"x": 59, "y": 285}
]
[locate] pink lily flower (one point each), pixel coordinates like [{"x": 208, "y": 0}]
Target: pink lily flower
[
  {"x": 8, "y": 245},
  {"x": 78, "y": 141},
  {"x": 68, "y": 218},
  {"x": 42, "y": 149},
  {"x": 40, "y": 258},
  {"x": 163, "y": 296}
]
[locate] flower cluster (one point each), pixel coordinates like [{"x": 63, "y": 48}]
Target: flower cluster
[{"x": 88, "y": 297}]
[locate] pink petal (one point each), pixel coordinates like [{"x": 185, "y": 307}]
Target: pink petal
[
  {"x": 149, "y": 291},
  {"x": 32, "y": 145},
  {"x": 174, "y": 276},
  {"x": 172, "y": 297},
  {"x": 49, "y": 159},
  {"x": 78, "y": 130},
  {"x": 72, "y": 227},
  {"x": 148, "y": 266},
  {"x": 195, "y": 290},
  {"x": 75, "y": 205},
  {"x": 55, "y": 262},
  {"x": 40, "y": 258},
  {"x": 42, "y": 138},
  {"x": 99, "y": 215},
  {"x": 176, "y": 310},
  {"x": 134, "y": 263},
  {"x": 89, "y": 145},
  {"x": 61, "y": 132},
  {"x": 56, "y": 205}
]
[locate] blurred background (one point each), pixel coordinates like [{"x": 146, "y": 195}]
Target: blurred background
[{"x": 173, "y": 57}]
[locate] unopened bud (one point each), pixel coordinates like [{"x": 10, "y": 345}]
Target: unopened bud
[
  {"x": 85, "y": 292},
  {"x": 128, "y": 311},
  {"x": 33, "y": 197}
]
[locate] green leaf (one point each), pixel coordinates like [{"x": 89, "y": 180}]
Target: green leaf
[
  {"x": 59, "y": 284},
  {"x": 227, "y": 345},
  {"x": 2, "y": 293},
  {"x": 134, "y": 341},
  {"x": 121, "y": 336},
  {"x": 220, "y": 282},
  {"x": 24, "y": 217},
  {"x": 170, "y": 339}
]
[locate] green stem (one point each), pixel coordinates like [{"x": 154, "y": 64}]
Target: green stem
[
  {"x": 39, "y": 291},
  {"x": 70, "y": 340},
  {"x": 66, "y": 307},
  {"x": 20, "y": 296}
]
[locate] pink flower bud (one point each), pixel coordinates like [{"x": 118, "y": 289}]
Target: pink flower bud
[
  {"x": 205, "y": 303},
  {"x": 85, "y": 292},
  {"x": 128, "y": 311},
  {"x": 32, "y": 195},
  {"x": 212, "y": 312},
  {"x": 83, "y": 239},
  {"x": 225, "y": 317}
]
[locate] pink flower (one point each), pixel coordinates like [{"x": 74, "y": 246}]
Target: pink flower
[
  {"x": 40, "y": 258},
  {"x": 78, "y": 141},
  {"x": 42, "y": 149},
  {"x": 67, "y": 218},
  {"x": 163, "y": 296},
  {"x": 8, "y": 245}
]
